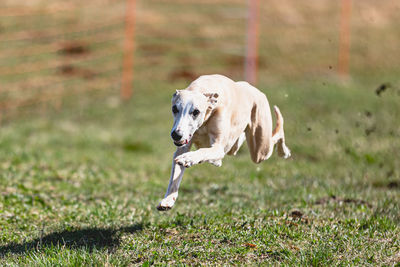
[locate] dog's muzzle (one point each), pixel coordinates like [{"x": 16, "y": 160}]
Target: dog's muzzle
[{"x": 178, "y": 139}]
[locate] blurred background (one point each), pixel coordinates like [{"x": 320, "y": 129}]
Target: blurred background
[{"x": 55, "y": 52}]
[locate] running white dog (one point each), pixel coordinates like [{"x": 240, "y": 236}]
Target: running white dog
[{"x": 217, "y": 115}]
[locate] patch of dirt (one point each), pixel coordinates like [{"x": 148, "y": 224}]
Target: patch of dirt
[
  {"x": 368, "y": 113},
  {"x": 180, "y": 74},
  {"x": 71, "y": 70},
  {"x": 154, "y": 49},
  {"x": 391, "y": 184},
  {"x": 382, "y": 88},
  {"x": 370, "y": 130},
  {"x": 73, "y": 49},
  {"x": 296, "y": 214},
  {"x": 330, "y": 199},
  {"x": 297, "y": 217},
  {"x": 394, "y": 185}
]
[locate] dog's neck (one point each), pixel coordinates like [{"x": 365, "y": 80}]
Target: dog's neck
[{"x": 208, "y": 114}]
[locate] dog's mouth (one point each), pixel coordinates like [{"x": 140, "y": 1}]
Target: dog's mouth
[{"x": 181, "y": 143}]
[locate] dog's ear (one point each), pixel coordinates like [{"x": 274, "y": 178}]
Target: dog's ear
[
  {"x": 176, "y": 93},
  {"x": 212, "y": 99}
]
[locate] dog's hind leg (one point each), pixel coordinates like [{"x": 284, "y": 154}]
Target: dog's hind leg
[
  {"x": 278, "y": 136},
  {"x": 259, "y": 131},
  {"x": 259, "y": 135}
]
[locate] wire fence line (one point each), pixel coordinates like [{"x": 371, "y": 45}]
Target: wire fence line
[
  {"x": 111, "y": 43},
  {"x": 53, "y": 51}
]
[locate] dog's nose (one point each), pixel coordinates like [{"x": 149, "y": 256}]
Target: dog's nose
[{"x": 176, "y": 136}]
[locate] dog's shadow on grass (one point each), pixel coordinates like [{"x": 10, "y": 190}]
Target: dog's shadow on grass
[{"x": 89, "y": 238}]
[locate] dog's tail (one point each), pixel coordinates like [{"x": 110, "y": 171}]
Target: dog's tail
[{"x": 278, "y": 135}]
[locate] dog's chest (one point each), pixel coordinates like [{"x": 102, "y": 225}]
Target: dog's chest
[{"x": 201, "y": 138}]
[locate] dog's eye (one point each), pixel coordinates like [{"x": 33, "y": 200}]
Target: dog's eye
[
  {"x": 196, "y": 112},
  {"x": 175, "y": 109}
]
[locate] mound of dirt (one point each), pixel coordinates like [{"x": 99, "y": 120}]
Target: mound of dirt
[
  {"x": 71, "y": 70},
  {"x": 73, "y": 49}
]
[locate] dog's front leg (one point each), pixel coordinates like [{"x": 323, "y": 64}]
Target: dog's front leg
[
  {"x": 212, "y": 155},
  {"x": 176, "y": 177}
]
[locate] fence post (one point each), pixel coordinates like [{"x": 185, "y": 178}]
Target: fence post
[
  {"x": 250, "y": 68},
  {"x": 344, "y": 38},
  {"x": 127, "y": 68}
]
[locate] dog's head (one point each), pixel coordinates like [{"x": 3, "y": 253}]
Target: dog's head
[{"x": 189, "y": 109}]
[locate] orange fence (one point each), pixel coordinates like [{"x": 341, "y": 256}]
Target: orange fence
[
  {"x": 49, "y": 52},
  {"x": 127, "y": 72},
  {"x": 344, "y": 38}
]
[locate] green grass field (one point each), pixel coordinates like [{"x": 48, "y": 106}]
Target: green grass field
[
  {"x": 79, "y": 186},
  {"x": 82, "y": 188}
]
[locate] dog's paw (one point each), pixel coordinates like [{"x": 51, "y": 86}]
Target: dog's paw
[
  {"x": 163, "y": 208},
  {"x": 186, "y": 160},
  {"x": 167, "y": 203},
  {"x": 283, "y": 150},
  {"x": 288, "y": 154},
  {"x": 217, "y": 163}
]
